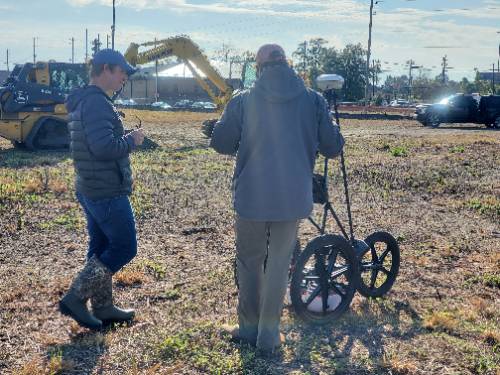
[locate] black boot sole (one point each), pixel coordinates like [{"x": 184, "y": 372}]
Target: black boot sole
[{"x": 65, "y": 310}]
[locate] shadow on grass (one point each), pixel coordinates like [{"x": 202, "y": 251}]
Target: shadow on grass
[
  {"x": 467, "y": 127},
  {"x": 374, "y": 116},
  {"x": 196, "y": 147},
  {"x": 369, "y": 326},
  {"x": 148, "y": 145},
  {"x": 82, "y": 354},
  {"x": 18, "y": 158}
]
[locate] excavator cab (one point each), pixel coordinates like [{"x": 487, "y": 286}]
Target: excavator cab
[{"x": 32, "y": 111}]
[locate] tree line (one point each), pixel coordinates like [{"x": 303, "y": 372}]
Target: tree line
[{"x": 314, "y": 57}]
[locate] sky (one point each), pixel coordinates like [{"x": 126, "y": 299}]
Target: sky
[{"x": 466, "y": 31}]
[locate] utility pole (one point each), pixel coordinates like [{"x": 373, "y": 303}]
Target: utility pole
[
  {"x": 7, "y": 62},
  {"x": 86, "y": 46},
  {"x": 369, "y": 52},
  {"x": 157, "y": 95},
  {"x": 34, "y": 51},
  {"x": 493, "y": 80},
  {"x": 373, "y": 78},
  {"x": 107, "y": 41},
  {"x": 444, "y": 64},
  {"x": 113, "y": 28},
  {"x": 410, "y": 78},
  {"x": 72, "y": 50}
]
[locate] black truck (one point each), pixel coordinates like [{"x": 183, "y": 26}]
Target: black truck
[{"x": 461, "y": 108}]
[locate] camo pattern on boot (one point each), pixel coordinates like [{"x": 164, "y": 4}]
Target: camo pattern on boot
[
  {"x": 102, "y": 295},
  {"x": 90, "y": 279}
]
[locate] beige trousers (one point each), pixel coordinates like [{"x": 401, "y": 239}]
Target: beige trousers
[{"x": 263, "y": 254}]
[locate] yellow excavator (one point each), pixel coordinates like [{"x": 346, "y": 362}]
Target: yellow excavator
[
  {"x": 32, "y": 111},
  {"x": 190, "y": 54}
]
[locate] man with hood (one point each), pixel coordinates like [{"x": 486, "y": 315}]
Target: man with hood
[
  {"x": 275, "y": 128},
  {"x": 100, "y": 150}
]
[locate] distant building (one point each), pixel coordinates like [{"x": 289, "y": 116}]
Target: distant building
[{"x": 169, "y": 88}]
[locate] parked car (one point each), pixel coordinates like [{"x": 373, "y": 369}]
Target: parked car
[
  {"x": 461, "y": 108},
  {"x": 161, "y": 105},
  {"x": 401, "y": 103},
  {"x": 204, "y": 105},
  {"x": 183, "y": 104},
  {"x": 128, "y": 102}
]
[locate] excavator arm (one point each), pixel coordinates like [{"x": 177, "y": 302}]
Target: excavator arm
[{"x": 190, "y": 54}]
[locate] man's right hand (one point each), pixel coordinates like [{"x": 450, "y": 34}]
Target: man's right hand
[{"x": 137, "y": 136}]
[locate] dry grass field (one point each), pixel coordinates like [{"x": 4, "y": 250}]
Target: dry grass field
[{"x": 436, "y": 190}]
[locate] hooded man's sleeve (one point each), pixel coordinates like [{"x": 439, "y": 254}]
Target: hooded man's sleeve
[
  {"x": 227, "y": 131},
  {"x": 330, "y": 139},
  {"x": 99, "y": 131}
]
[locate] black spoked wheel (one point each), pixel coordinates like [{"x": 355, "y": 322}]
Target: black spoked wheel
[
  {"x": 496, "y": 124},
  {"x": 295, "y": 257},
  {"x": 433, "y": 120},
  {"x": 378, "y": 265},
  {"x": 324, "y": 279}
]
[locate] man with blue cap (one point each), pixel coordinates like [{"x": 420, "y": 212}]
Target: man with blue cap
[{"x": 100, "y": 150}]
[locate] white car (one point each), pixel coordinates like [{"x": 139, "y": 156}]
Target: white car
[
  {"x": 161, "y": 105},
  {"x": 402, "y": 103}
]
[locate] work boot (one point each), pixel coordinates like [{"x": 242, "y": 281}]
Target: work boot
[
  {"x": 234, "y": 332},
  {"x": 102, "y": 301},
  {"x": 74, "y": 303},
  {"x": 270, "y": 353}
]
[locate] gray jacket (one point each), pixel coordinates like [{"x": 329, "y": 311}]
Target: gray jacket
[
  {"x": 276, "y": 128},
  {"x": 98, "y": 145}
]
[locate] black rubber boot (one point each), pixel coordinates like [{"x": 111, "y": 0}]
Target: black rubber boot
[
  {"x": 102, "y": 301},
  {"x": 74, "y": 303},
  {"x": 112, "y": 314},
  {"x": 75, "y": 308}
]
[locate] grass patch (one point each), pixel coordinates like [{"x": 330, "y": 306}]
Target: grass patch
[
  {"x": 440, "y": 321},
  {"x": 203, "y": 348},
  {"x": 491, "y": 337},
  {"x": 398, "y": 151},
  {"x": 58, "y": 365},
  {"x": 130, "y": 277},
  {"x": 172, "y": 294},
  {"x": 54, "y": 365},
  {"x": 399, "y": 366},
  {"x": 485, "y": 206},
  {"x": 457, "y": 149},
  {"x": 488, "y": 279},
  {"x": 156, "y": 269},
  {"x": 483, "y": 363},
  {"x": 69, "y": 220}
]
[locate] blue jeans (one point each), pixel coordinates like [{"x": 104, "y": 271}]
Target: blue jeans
[{"x": 111, "y": 228}]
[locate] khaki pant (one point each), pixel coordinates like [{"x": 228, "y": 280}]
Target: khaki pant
[{"x": 263, "y": 253}]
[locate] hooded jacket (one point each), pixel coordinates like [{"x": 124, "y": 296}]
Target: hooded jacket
[
  {"x": 276, "y": 128},
  {"x": 98, "y": 145}
]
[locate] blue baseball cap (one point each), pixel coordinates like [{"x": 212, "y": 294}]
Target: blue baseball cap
[{"x": 109, "y": 56}]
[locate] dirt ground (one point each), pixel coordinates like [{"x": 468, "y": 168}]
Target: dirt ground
[{"x": 436, "y": 190}]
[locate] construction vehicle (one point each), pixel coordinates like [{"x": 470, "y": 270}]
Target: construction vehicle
[
  {"x": 190, "y": 54},
  {"x": 32, "y": 111}
]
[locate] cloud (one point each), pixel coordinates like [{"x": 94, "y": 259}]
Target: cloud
[{"x": 292, "y": 8}]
